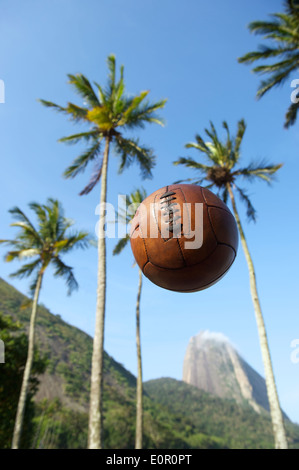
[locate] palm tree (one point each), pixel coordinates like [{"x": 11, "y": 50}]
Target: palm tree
[
  {"x": 46, "y": 244},
  {"x": 283, "y": 32},
  {"x": 109, "y": 112},
  {"x": 222, "y": 171},
  {"x": 132, "y": 203}
]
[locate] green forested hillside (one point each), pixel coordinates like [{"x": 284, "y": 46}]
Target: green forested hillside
[
  {"x": 62, "y": 401},
  {"x": 176, "y": 415},
  {"x": 238, "y": 426}
]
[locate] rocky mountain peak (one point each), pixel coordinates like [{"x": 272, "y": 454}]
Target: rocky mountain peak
[{"x": 213, "y": 364}]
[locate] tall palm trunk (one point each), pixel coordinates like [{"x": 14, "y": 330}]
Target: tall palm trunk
[
  {"x": 275, "y": 410},
  {"x": 139, "y": 406},
  {"x": 27, "y": 371},
  {"x": 95, "y": 432}
]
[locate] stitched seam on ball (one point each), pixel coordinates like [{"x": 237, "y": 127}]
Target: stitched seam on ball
[
  {"x": 145, "y": 250},
  {"x": 211, "y": 223},
  {"x": 155, "y": 212},
  {"x": 221, "y": 208},
  {"x": 189, "y": 265},
  {"x": 144, "y": 266},
  {"x": 206, "y": 285},
  {"x": 181, "y": 252},
  {"x": 219, "y": 277},
  {"x": 230, "y": 246},
  {"x": 170, "y": 238},
  {"x": 137, "y": 226},
  {"x": 164, "y": 239},
  {"x": 213, "y": 205},
  {"x": 189, "y": 215},
  {"x": 156, "y": 216},
  {"x": 219, "y": 243}
]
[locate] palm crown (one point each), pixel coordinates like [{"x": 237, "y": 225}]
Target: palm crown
[
  {"x": 46, "y": 244},
  {"x": 222, "y": 167},
  {"x": 283, "y": 32},
  {"x": 109, "y": 113}
]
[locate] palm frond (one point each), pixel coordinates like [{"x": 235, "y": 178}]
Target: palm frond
[
  {"x": 26, "y": 270},
  {"x": 111, "y": 62},
  {"x": 140, "y": 115},
  {"x": 291, "y": 114},
  {"x": 287, "y": 65},
  {"x": 133, "y": 105},
  {"x": 266, "y": 52},
  {"x": 12, "y": 255},
  {"x": 19, "y": 215},
  {"x": 9, "y": 242},
  {"x": 283, "y": 32},
  {"x": 122, "y": 243},
  {"x": 49, "y": 104},
  {"x": 292, "y": 8},
  {"x": 131, "y": 202},
  {"x": 95, "y": 178},
  {"x": 119, "y": 89},
  {"x": 229, "y": 143},
  {"x": 275, "y": 79},
  {"x": 27, "y": 234},
  {"x": 137, "y": 196},
  {"x": 80, "y": 163},
  {"x": 239, "y": 137},
  {"x": 217, "y": 150},
  {"x": 199, "y": 145},
  {"x": 278, "y": 28},
  {"x": 130, "y": 150},
  {"x": 62, "y": 270},
  {"x": 224, "y": 195},
  {"x": 84, "y": 88},
  {"x": 78, "y": 239},
  {"x": 39, "y": 211},
  {"x": 190, "y": 180},
  {"x": 258, "y": 170},
  {"x": 191, "y": 163},
  {"x": 103, "y": 99},
  {"x": 75, "y": 138},
  {"x": 250, "y": 210},
  {"x": 127, "y": 213},
  {"x": 28, "y": 253},
  {"x": 76, "y": 113},
  {"x": 49, "y": 219}
]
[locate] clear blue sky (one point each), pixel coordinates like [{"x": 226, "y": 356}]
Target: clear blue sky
[{"x": 186, "y": 52}]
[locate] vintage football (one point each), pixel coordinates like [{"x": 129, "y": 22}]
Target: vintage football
[{"x": 184, "y": 238}]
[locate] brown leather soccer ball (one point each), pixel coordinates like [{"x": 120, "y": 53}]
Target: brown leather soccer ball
[{"x": 184, "y": 238}]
